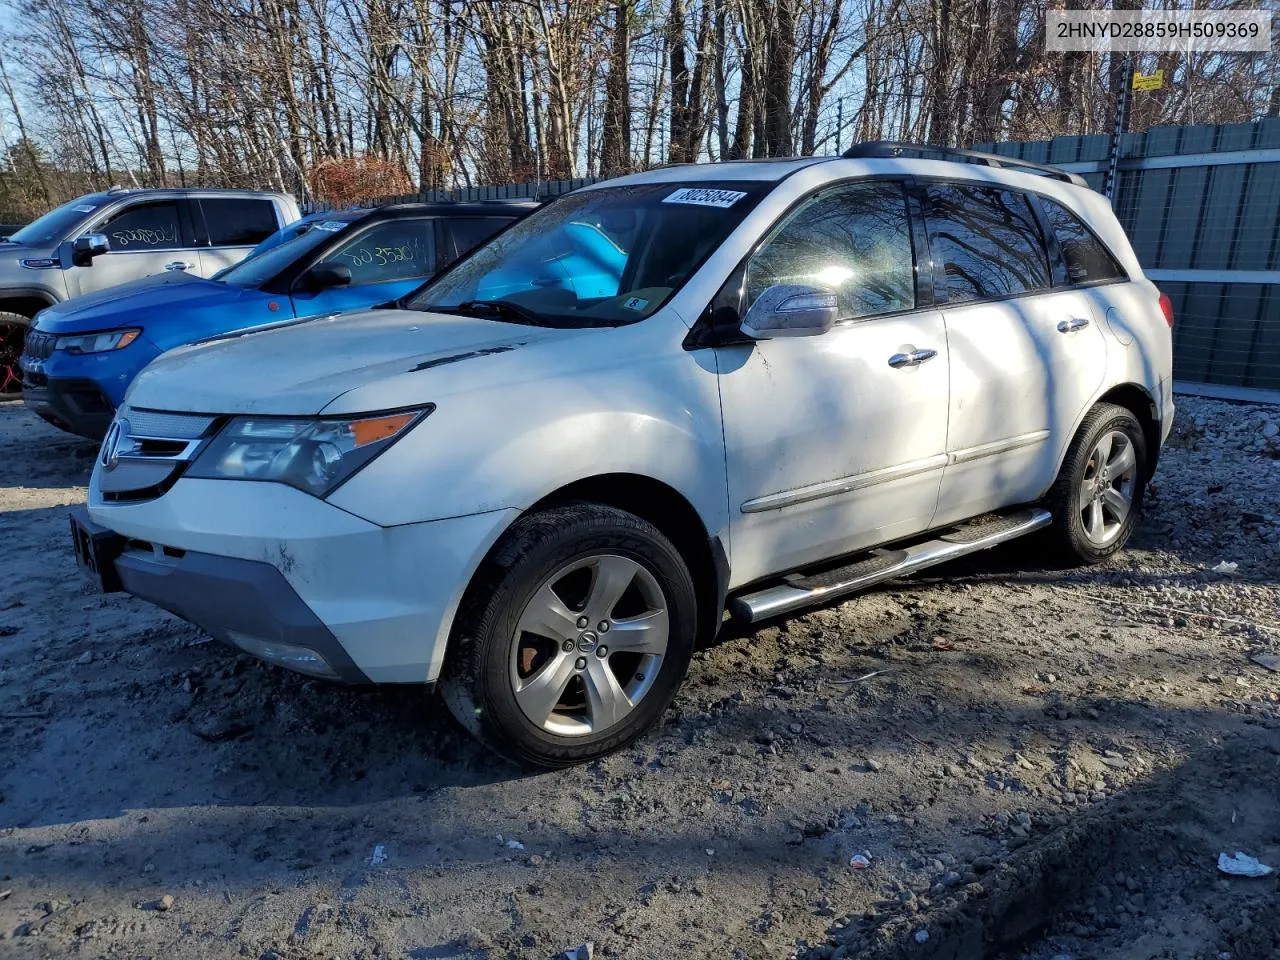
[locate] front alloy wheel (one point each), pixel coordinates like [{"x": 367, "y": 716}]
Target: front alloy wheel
[
  {"x": 589, "y": 645},
  {"x": 573, "y": 637}
]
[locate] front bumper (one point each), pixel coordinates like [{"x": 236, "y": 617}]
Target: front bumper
[
  {"x": 261, "y": 563},
  {"x": 77, "y": 406}
]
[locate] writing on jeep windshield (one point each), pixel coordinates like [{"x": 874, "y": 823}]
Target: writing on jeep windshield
[{"x": 602, "y": 257}]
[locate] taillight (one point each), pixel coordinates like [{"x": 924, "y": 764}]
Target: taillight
[{"x": 1166, "y": 307}]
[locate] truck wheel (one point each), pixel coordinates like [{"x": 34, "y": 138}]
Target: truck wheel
[
  {"x": 573, "y": 638},
  {"x": 13, "y": 333},
  {"x": 1098, "y": 493}
]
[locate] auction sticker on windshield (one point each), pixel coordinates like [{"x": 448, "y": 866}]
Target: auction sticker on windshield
[
  {"x": 705, "y": 197},
  {"x": 332, "y": 226},
  {"x": 84, "y": 208}
]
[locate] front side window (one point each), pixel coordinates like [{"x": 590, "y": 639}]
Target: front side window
[
  {"x": 238, "y": 221},
  {"x": 987, "y": 241},
  {"x": 143, "y": 226},
  {"x": 598, "y": 257},
  {"x": 394, "y": 250},
  {"x": 1087, "y": 259},
  {"x": 853, "y": 239}
]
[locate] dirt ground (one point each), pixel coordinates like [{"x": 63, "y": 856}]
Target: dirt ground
[{"x": 1041, "y": 763}]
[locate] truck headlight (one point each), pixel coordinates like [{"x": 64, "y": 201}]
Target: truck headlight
[
  {"x": 313, "y": 454},
  {"x": 99, "y": 342}
]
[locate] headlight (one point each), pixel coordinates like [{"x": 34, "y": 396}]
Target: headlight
[
  {"x": 99, "y": 342},
  {"x": 314, "y": 454}
]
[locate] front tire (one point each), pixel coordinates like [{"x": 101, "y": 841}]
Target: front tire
[
  {"x": 13, "y": 334},
  {"x": 573, "y": 638},
  {"x": 1098, "y": 494}
]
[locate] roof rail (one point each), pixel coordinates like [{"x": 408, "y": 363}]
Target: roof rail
[{"x": 893, "y": 148}]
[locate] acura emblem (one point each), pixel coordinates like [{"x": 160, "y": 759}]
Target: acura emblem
[{"x": 117, "y": 444}]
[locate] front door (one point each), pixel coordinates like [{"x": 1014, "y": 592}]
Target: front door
[
  {"x": 1026, "y": 356},
  {"x": 833, "y": 443},
  {"x": 145, "y": 237}
]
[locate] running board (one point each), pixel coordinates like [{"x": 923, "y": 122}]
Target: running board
[{"x": 982, "y": 533}]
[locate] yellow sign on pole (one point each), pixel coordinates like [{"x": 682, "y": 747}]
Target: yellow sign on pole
[{"x": 1148, "y": 81}]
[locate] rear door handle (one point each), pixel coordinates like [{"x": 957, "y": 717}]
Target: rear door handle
[
  {"x": 1075, "y": 323},
  {"x": 178, "y": 265},
  {"x": 912, "y": 359}
]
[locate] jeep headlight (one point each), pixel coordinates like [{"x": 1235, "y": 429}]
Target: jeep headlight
[
  {"x": 98, "y": 342},
  {"x": 314, "y": 454}
]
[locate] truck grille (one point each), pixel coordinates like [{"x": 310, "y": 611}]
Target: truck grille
[{"x": 40, "y": 345}]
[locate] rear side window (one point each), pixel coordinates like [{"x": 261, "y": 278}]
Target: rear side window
[
  {"x": 1088, "y": 261},
  {"x": 987, "y": 241},
  {"x": 392, "y": 250},
  {"x": 144, "y": 226},
  {"x": 854, "y": 239},
  {"x": 470, "y": 232},
  {"x": 238, "y": 221}
]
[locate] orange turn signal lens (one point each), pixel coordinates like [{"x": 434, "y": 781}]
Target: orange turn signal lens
[
  {"x": 127, "y": 338},
  {"x": 379, "y": 428}
]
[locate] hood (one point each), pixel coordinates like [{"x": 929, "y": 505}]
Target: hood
[
  {"x": 137, "y": 302},
  {"x": 299, "y": 369}
]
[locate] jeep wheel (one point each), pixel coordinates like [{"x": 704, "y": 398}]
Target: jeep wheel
[
  {"x": 574, "y": 637},
  {"x": 1098, "y": 494},
  {"x": 13, "y": 333}
]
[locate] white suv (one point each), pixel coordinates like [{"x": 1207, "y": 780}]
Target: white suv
[{"x": 746, "y": 386}]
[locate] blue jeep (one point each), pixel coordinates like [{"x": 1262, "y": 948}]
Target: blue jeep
[{"x": 80, "y": 356}]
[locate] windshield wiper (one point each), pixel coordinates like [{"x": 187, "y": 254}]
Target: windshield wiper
[{"x": 504, "y": 308}]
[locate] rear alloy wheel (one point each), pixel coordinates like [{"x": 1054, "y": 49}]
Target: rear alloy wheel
[
  {"x": 1098, "y": 494},
  {"x": 13, "y": 334},
  {"x": 574, "y": 638}
]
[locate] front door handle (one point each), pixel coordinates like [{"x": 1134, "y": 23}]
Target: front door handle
[
  {"x": 178, "y": 265},
  {"x": 1075, "y": 323},
  {"x": 912, "y": 359}
]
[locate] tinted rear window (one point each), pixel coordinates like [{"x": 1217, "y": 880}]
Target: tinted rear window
[
  {"x": 1087, "y": 259},
  {"x": 238, "y": 221},
  {"x": 988, "y": 242}
]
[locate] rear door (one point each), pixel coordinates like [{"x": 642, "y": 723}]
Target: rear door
[
  {"x": 228, "y": 228},
  {"x": 386, "y": 260},
  {"x": 1027, "y": 355},
  {"x": 145, "y": 237}
]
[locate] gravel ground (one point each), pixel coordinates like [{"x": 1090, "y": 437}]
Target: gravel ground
[{"x": 1041, "y": 763}]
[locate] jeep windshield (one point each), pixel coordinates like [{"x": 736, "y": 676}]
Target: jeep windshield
[
  {"x": 55, "y": 225},
  {"x": 263, "y": 264},
  {"x": 604, "y": 257}
]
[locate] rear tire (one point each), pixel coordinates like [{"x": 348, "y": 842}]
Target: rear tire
[
  {"x": 1098, "y": 494},
  {"x": 573, "y": 638},
  {"x": 13, "y": 333}
]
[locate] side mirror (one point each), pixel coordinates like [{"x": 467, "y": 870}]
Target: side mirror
[
  {"x": 325, "y": 275},
  {"x": 85, "y": 248},
  {"x": 790, "y": 310}
]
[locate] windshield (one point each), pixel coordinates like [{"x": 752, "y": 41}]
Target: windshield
[
  {"x": 274, "y": 253},
  {"x": 595, "y": 258},
  {"x": 55, "y": 225}
]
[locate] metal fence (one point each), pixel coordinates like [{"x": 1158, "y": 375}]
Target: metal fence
[{"x": 1201, "y": 206}]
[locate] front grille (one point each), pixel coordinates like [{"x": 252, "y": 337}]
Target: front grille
[
  {"x": 146, "y": 451},
  {"x": 40, "y": 345},
  {"x": 166, "y": 426}
]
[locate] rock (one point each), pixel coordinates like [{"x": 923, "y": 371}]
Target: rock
[
  {"x": 872, "y": 765},
  {"x": 951, "y": 770},
  {"x": 474, "y": 940},
  {"x": 583, "y": 952},
  {"x": 85, "y": 658},
  {"x": 920, "y": 936},
  {"x": 796, "y": 727}
]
